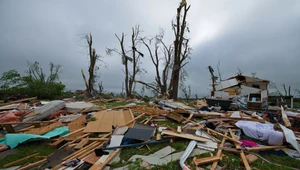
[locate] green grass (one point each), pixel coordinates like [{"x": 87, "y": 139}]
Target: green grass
[
  {"x": 127, "y": 153},
  {"x": 26, "y": 150},
  {"x": 167, "y": 123}
]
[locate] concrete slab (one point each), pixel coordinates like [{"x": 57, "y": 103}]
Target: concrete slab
[{"x": 163, "y": 152}]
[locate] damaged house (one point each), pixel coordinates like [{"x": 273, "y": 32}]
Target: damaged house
[{"x": 252, "y": 89}]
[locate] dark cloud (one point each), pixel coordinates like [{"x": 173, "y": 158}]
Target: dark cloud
[{"x": 256, "y": 36}]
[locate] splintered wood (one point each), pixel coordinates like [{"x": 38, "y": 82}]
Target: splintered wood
[
  {"x": 106, "y": 119},
  {"x": 285, "y": 119},
  {"x": 45, "y": 129}
]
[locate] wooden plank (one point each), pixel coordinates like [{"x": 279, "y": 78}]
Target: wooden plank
[
  {"x": 129, "y": 122},
  {"x": 285, "y": 119},
  {"x": 32, "y": 164},
  {"x": 98, "y": 139},
  {"x": 179, "y": 130},
  {"x": 220, "y": 134},
  {"x": 82, "y": 143},
  {"x": 17, "y": 101},
  {"x": 242, "y": 154},
  {"x": 148, "y": 120},
  {"x": 22, "y": 123},
  {"x": 175, "y": 116},
  {"x": 103, "y": 164},
  {"x": 19, "y": 160},
  {"x": 106, "y": 119},
  {"x": 45, "y": 129},
  {"x": 58, "y": 141},
  {"x": 9, "y": 128},
  {"x": 186, "y": 136},
  {"x": 91, "y": 145},
  {"x": 92, "y": 158},
  {"x": 188, "y": 119},
  {"x": 219, "y": 152},
  {"x": 80, "y": 137},
  {"x": 201, "y": 161},
  {"x": 262, "y": 148},
  {"x": 77, "y": 123}
]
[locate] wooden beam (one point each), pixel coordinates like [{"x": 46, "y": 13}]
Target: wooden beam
[
  {"x": 261, "y": 148},
  {"x": 21, "y": 123},
  {"x": 147, "y": 121},
  {"x": 17, "y": 101},
  {"x": 219, "y": 152},
  {"x": 98, "y": 139},
  {"x": 186, "y": 136},
  {"x": 220, "y": 134},
  {"x": 19, "y": 160},
  {"x": 201, "y": 161},
  {"x": 134, "y": 119},
  {"x": 32, "y": 165},
  {"x": 103, "y": 164},
  {"x": 82, "y": 143},
  {"x": 285, "y": 119},
  {"x": 242, "y": 154}
]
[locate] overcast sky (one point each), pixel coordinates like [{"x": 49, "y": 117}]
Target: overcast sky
[{"x": 261, "y": 36}]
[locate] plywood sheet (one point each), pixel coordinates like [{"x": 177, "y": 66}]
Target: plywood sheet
[
  {"x": 106, "y": 119},
  {"x": 77, "y": 123}
]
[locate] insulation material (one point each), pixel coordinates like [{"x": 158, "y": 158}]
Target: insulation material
[
  {"x": 106, "y": 119},
  {"x": 9, "y": 117},
  {"x": 46, "y": 110}
]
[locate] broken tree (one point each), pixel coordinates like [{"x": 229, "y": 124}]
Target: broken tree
[
  {"x": 181, "y": 48},
  {"x": 131, "y": 63},
  {"x": 162, "y": 76},
  {"x": 94, "y": 57}
]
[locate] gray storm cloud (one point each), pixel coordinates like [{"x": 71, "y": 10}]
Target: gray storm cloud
[{"x": 256, "y": 36}]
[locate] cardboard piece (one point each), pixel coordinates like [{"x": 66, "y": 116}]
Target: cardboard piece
[{"x": 106, "y": 119}]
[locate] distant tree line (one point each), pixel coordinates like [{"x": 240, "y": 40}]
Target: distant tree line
[{"x": 34, "y": 82}]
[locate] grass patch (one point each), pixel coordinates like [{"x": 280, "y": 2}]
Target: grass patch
[
  {"x": 180, "y": 145},
  {"x": 28, "y": 149},
  {"x": 170, "y": 123},
  {"x": 126, "y": 153},
  {"x": 174, "y": 165}
]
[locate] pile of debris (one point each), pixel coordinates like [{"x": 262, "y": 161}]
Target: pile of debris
[{"x": 88, "y": 136}]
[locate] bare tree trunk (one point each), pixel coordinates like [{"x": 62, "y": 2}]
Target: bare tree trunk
[
  {"x": 179, "y": 30},
  {"x": 129, "y": 78},
  {"x": 93, "y": 58},
  {"x": 84, "y": 79}
]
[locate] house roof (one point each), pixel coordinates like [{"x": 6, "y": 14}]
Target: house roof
[{"x": 248, "y": 78}]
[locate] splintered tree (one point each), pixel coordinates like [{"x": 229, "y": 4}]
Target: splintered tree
[
  {"x": 161, "y": 55},
  {"x": 130, "y": 59},
  {"x": 181, "y": 47},
  {"x": 94, "y": 57}
]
